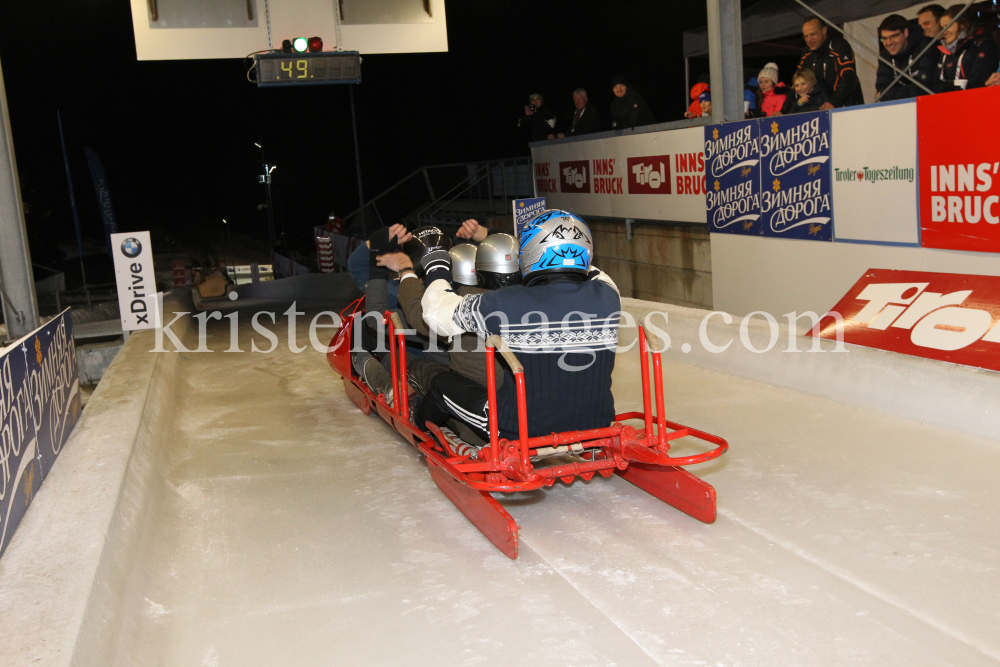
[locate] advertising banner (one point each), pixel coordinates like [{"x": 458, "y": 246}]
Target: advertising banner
[
  {"x": 796, "y": 199},
  {"x": 525, "y": 210},
  {"x": 655, "y": 176},
  {"x": 874, "y": 173},
  {"x": 732, "y": 173},
  {"x": 959, "y": 170},
  {"x": 39, "y": 405},
  {"x": 103, "y": 195},
  {"x": 944, "y": 316},
  {"x": 133, "y": 254}
]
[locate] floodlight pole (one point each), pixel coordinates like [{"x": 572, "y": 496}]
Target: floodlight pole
[
  {"x": 725, "y": 55},
  {"x": 17, "y": 287}
]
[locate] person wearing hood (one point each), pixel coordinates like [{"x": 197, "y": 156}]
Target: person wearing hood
[
  {"x": 628, "y": 109},
  {"x": 810, "y": 93},
  {"x": 901, "y": 47},
  {"x": 772, "y": 93},
  {"x": 538, "y": 120},
  {"x": 694, "y": 111},
  {"x": 965, "y": 64}
]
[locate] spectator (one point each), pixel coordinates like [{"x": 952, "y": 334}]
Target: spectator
[
  {"x": 994, "y": 79},
  {"x": 832, "y": 61},
  {"x": 538, "y": 120},
  {"x": 586, "y": 118},
  {"x": 751, "y": 91},
  {"x": 965, "y": 63},
  {"x": 929, "y": 19},
  {"x": 628, "y": 109},
  {"x": 901, "y": 49},
  {"x": 772, "y": 92},
  {"x": 694, "y": 111},
  {"x": 811, "y": 94},
  {"x": 705, "y": 101}
]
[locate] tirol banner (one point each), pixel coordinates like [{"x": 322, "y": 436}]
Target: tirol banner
[
  {"x": 732, "y": 174},
  {"x": 39, "y": 405},
  {"x": 654, "y": 175},
  {"x": 959, "y": 170},
  {"x": 944, "y": 316},
  {"x": 796, "y": 198}
]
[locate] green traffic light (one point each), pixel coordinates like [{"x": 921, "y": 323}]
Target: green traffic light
[{"x": 300, "y": 44}]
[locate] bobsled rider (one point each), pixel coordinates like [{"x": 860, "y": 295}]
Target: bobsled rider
[
  {"x": 422, "y": 366},
  {"x": 370, "y": 355},
  {"x": 562, "y": 322},
  {"x": 474, "y": 271}
]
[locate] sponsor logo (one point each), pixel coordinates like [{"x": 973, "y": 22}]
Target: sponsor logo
[
  {"x": 575, "y": 176},
  {"x": 792, "y": 201},
  {"x": 970, "y": 178},
  {"x": 131, "y": 247},
  {"x": 544, "y": 182},
  {"x": 894, "y": 173},
  {"x": 939, "y": 316},
  {"x": 649, "y": 175},
  {"x": 604, "y": 178}
]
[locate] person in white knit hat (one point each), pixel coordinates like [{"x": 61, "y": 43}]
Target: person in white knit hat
[{"x": 772, "y": 91}]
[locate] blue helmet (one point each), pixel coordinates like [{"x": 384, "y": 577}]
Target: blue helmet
[{"x": 555, "y": 242}]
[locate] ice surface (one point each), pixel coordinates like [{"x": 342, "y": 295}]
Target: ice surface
[
  {"x": 294, "y": 530},
  {"x": 301, "y": 532}
]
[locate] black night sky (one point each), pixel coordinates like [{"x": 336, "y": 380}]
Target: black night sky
[{"x": 177, "y": 137}]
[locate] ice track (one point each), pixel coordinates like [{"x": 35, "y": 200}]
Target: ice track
[{"x": 284, "y": 527}]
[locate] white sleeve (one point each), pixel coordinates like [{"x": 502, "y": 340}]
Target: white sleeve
[
  {"x": 604, "y": 277},
  {"x": 439, "y": 304}
]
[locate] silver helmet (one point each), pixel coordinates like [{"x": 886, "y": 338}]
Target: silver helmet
[
  {"x": 497, "y": 261},
  {"x": 555, "y": 242},
  {"x": 463, "y": 264}
]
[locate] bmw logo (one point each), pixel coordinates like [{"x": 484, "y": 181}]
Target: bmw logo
[{"x": 131, "y": 247}]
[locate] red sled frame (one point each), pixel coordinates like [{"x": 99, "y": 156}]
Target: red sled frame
[{"x": 468, "y": 476}]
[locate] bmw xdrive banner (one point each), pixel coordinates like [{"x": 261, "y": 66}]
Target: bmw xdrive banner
[
  {"x": 39, "y": 405},
  {"x": 796, "y": 199},
  {"x": 136, "y": 280},
  {"x": 732, "y": 176}
]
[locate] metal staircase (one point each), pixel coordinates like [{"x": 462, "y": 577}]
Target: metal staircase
[{"x": 446, "y": 194}]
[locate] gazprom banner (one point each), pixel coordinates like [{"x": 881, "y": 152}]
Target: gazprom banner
[
  {"x": 796, "y": 199},
  {"x": 39, "y": 405},
  {"x": 732, "y": 166},
  {"x": 770, "y": 177}
]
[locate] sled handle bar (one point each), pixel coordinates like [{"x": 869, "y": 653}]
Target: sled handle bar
[
  {"x": 494, "y": 342},
  {"x": 497, "y": 342},
  {"x": 400, "y": 383}
]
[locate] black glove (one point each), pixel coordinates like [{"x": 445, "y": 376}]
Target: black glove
[{"x": 380, "y": 244}]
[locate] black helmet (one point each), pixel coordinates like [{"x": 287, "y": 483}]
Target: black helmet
[{"x": 427, "y": 244}]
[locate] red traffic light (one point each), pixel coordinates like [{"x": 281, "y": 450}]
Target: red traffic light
[{"x": 315, "y": 44}]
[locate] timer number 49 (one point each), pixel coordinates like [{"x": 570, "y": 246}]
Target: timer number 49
[{"x": 301, "y": 66}]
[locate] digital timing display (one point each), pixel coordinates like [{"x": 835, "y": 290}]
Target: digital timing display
[{"x": 290, "y": 69}]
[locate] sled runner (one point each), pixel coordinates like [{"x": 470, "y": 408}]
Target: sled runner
[{"x": 468, "y": 475}]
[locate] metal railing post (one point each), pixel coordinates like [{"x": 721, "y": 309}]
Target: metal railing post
[
  {"x": 17, "y": 282},
  {"x": 725, "y": 53}
]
